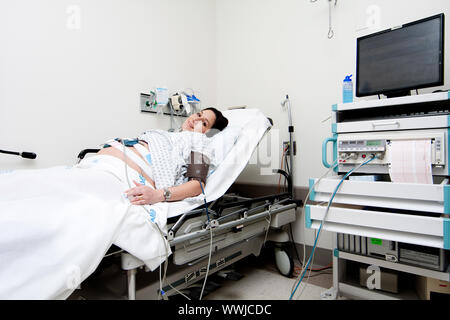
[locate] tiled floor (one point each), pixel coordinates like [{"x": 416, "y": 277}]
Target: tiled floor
[
  {"x": 262, "y": 281},
  {"x": 259, "y": 280}
]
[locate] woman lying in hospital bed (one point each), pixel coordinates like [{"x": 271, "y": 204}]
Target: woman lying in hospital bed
[
  {"x": 170, "y": 166},
  {"x": 55, "y": 230}
]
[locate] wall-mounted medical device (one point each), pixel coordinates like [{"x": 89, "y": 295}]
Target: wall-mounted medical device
[
  {"x": 148, "y": 102},
  {"x": 179, "y": 103},
  {"x": 160, "y": 101}
]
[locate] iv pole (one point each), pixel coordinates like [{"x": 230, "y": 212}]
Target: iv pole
[{"x": 287, "y": 103}]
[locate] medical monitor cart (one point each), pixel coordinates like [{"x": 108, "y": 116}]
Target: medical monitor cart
[{"x": 414, "y": 214}]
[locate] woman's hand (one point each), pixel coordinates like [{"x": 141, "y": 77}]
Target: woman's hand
[{"x": 143, "y": 195}]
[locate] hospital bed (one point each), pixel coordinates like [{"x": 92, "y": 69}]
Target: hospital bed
[{"x": 239, "y": 227}]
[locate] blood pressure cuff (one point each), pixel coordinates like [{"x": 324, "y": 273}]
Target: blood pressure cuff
[{"x": 198, "y": 167}]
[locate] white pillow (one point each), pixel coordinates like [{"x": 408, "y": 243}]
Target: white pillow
[{"x": 222, "y": 142}]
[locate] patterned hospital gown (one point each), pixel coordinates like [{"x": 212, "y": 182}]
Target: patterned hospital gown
[{"x": 170, "y": 152}]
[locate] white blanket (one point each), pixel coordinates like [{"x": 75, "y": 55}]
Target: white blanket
[{"x": 57, "y": 224}]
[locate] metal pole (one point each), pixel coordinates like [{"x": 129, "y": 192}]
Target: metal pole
[
  {"x": 291, "y": 144},
  {"x": 131, "y": 284}
]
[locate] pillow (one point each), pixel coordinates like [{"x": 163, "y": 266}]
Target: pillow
[{"x": 222, "y": 142}]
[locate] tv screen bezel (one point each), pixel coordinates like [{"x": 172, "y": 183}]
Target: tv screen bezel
[{"x": 390, "y": 91}]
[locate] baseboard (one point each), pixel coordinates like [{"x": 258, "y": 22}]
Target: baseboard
[{"x": 322, "y": 257}]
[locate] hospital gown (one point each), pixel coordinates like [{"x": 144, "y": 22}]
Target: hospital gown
[{"x": 170, "y": 154}]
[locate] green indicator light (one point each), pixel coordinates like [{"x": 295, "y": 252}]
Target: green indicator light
[
  {"x": 373, "y": 143},
  {"x": 377, "y": 242}
]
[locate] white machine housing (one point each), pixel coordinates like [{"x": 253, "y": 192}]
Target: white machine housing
[
  {"x": 361, "y": 139},
  {"x": 363, "y": 145},
  {"x": 404, "y": 213}
]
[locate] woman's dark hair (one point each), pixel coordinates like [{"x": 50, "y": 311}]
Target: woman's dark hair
[{"x": 221, "y": 122}]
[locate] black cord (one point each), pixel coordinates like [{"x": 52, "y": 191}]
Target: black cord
[
  {"x": 10, "y": 152},
  {"x": 288, "y": 169},
  {"x": 435, "y": 91},
  {"x": 293, "y": 244},
  {"x": 204, "y": 200}
]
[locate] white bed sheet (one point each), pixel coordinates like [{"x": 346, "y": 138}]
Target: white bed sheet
[{"x": 57, "y": 224}]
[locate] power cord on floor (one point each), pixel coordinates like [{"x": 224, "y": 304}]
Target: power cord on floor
[{"x": 332, "y": 167}]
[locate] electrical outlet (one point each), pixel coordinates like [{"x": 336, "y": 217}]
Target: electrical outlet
[
  {"x": 287, "y": 147},
  {"x": 147, "y": 102}
]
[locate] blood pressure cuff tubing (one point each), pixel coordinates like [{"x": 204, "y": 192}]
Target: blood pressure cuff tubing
[{"x": 198, "y": 167}]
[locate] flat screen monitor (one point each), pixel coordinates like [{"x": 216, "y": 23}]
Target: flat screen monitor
[{"x": 395, "y": 61}]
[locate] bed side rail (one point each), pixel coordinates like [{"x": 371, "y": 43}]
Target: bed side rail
[{"x": 228, "y": 225}]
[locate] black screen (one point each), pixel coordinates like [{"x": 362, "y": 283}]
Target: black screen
[{"x": 410, "y": 57}]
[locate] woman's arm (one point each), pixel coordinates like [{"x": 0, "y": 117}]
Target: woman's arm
[{"x": 143, "y": 195}]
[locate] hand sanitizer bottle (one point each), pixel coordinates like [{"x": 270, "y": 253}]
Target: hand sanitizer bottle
[{"x": 347, "y": 90}]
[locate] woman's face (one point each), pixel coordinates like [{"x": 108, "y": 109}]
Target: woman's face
[{"x": 200, "y": 122}]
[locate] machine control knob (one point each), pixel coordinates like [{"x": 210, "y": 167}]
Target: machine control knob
[{"x": 353, "y": 156}]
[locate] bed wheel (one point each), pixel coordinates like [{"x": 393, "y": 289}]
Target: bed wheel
[{"x": 284, "y": 262}]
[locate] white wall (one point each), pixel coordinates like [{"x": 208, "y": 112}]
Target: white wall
[
  {"x": 267, "y": 48},
  {"x": 65, "y": 89}
]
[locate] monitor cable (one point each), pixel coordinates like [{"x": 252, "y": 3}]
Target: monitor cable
[
  {"x": 311, "y": 258},
  {"x": 162, "y": 277}
]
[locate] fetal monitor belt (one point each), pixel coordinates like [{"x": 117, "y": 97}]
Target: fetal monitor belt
[
  {"x": 135, "y": 158},
  {"x": 126, "y": 142}
]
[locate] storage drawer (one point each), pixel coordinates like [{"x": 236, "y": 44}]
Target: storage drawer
[
  {"x": 414, "y": 229},
  {"x": 393, "y": 124},
  {"x": 433, "y": 198}
]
